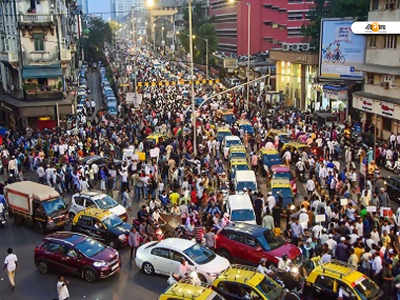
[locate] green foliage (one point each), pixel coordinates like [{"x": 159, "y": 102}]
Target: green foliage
[
  {"x": 99, "y": 33},
  {"x": 357, "y": 9}
]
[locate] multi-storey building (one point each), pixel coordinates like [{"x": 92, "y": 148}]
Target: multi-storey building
[
  {"x": 122, "y": 8},
  {"x": 84, "y": 6},
  {"x": 272, "y": 23},
  {"x": 37, "y": 61},
  {"x": 379, "y": 102}
]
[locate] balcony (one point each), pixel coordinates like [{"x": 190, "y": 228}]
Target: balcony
[
  {"x": 30, "y": 19},
  {"x": 39, "y": 57},
  {"x": 8, "y": 56},
  {"x": 65, "y": 55}
]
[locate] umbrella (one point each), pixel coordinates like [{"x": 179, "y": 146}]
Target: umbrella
[{"x": 330, "y": 165}]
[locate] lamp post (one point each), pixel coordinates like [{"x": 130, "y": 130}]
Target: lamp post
[{"x": 191, "y": 80}]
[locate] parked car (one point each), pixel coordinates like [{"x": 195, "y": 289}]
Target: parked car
[
  {"x": 249, "y": 243},
  {"x": 240, "y": 208},
  {"x": 164, "y": 258},
  {"x": 186, "y": 291},
  {"x": 103, "y": 226},
  {"x": 76, "y": 254},
  {"x": 393, "y": 187},
  {"x": 81, "y": 201}
]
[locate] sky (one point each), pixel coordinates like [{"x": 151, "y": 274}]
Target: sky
[{"x": 100, "y": 6}]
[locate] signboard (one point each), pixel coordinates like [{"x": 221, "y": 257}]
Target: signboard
[
  {"x": 130, "y": 98},
  {"x": 230, "y": 63},
  {"x": 343, "y": 202},
  {"x": 371, "y": 209},
  {"x": 381, "y": 108},
  {"x": 320, "y": 218},
  {"x": 341, "y": 50}
]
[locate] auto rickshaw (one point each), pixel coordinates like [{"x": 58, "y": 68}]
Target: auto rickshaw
[
  {"x": 239, "y": 164},
  {"x": 236, "y": 152},
  {"x": 281, "y": 188},
  {"x": 228, "y": 116},
  {"x": 295, "y": 146},
  {"x": 268, "y": 158},
  {"x": 246, "y": 126},
  {"x": 223, "y": 132},
  {"x": 155, "y": 139}
]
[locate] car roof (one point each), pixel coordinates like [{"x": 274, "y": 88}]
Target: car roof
[
  {"x": 245, "y": 175},
  {"x": 232, "y": 137},
  {"x": 237, "y": 148},
  {"x": 268, "y": 151},
  {"x": 339, "y": 270},
  {"x": 71, "y": 238},
  {"x": 240, "y": 201},
  {"x": 186, "y": 290},
  {"x": 94, "y": 212},
  {"x": 176, "y": 243},
  {"x": 280, "y": 183},
  {"x": 223, "y": 129},
  {"x": 245, "y": 228},
  {"x": 89, "y": 193},
  {"x": 241, "y": 274}
]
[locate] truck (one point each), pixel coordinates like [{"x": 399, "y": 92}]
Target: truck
[{"x": 36, "y": 204}]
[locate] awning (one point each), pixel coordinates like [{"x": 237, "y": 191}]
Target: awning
[
  {"x": 380, "y": 69},
  {"x": 48, "y": 71}
]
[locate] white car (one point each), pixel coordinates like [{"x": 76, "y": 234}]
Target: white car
[
  {"x": 164, "y": 258},
  {"x": 81, "y": 201},
  {"x": 245, "y": 180},
  {"x": 240, "y": 209},
  {"x": 228, "y": 141}
]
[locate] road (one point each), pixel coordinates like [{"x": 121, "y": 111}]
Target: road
[{"x": 130, "y": 283}]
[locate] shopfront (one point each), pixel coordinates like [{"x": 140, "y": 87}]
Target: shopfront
[{"x": 335, "y": 100}]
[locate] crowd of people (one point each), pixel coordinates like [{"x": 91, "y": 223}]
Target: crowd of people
[{"x": 340, "y": 212}]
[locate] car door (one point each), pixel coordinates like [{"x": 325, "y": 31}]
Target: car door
[
  {"x": 229, "y": 290},
  {"x": 324, "y": 288},
  {"x": 69, "y": 259},
  {"x": 175, "y": 260},
  {"x": 84, "y": 225},
  {"x": 252, "y": 250},
  {"x": 160, "y": 259},
  {"x": 78, "y": 204},
  {"x": 51, "y": 255},
  {"x": 236, "y": 244}
]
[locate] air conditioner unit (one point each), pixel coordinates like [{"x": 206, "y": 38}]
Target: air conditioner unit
[
  {"x": 385, "y": 84},
  {"x": 305, "y": 47},
  {"x": 294, "y": 47},
  {"x": 285, "y": 46}
]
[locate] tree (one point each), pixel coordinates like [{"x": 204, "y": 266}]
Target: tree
[
  {"x": 114, "y": 26},
  {"x": 357, "y": 9},
  {"x": 98, "y": 33},
  {"x": 203, "y": 29}
]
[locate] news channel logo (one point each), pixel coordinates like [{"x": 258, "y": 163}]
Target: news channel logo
[{"x": 375, "y": 27}]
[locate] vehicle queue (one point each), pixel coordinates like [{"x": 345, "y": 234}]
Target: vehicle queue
[{"x": 99, "y": 224}]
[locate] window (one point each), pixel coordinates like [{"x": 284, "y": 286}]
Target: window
[
  {"x": 387, "y": 124},
  {"x": 390, "y": 4},
  {"x": 177, "y": 256},
  {"x": 90, "y": 203},
  {"x": 370, "y": 78},
  {"x": 375, "y": 5},
  {"x": 85, "y": 221},
  {"x": 324, "y": 283},
  {"x": 79, "y": 201},
  {"x": 372, "y": 41},
  {"x": 38, "y": 39},
  {"x": 52, "y": 247},
  {"x": 250, "y": 241},
  {"x": 391, "y": 41},
  {"x": 160, "y": 252}
]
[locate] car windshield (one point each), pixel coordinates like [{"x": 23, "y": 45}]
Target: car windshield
[
  {"x": 269, "y": 289},
  {"x": 242, "y": 215},
  {"x": 112, "y": 221},
  {"x": 242, "y": 167},
  {"x": 199, "y": 254},
  {"x": 238, "y": 155},
  {"x": 89, "y": 247},
  {"x": 52, "y": 206},
  {"x": 366, "y": 289},
  {"x": 270, "y": 241},
  {"x": 249, "y": 185},
  {"x": 282, "y": 175},
  {"x": 284, "y": 192},
  {"x": 106, "y": 202}
]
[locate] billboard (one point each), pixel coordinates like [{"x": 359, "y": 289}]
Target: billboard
[
  {"x": 340, "y": 50},
  {"x": 230, "y": 63}
]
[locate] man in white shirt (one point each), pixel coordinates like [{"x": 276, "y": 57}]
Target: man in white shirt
[
  {"x": 376, "y": 264},
  {"x": 271, "y": 201},
  {"x": 310, "y": 186},
  {"x": 10, "y": 264},
  {"x": 62, "y": 288}
]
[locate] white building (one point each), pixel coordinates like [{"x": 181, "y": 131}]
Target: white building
[
  {"x": 37, "y": 56},
  {"x": 122, "y": 8}
]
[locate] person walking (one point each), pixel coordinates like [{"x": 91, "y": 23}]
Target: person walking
[
  {"x": 10, "y": 264},
  {"x": 62, "y": 288},
  {"x": 133, "y": 241}
]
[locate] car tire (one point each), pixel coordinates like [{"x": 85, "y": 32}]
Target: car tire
[
  {"x": 225, "y": 253},
  {"x": 148, "y": 268},
  {"x": 42, "y": 267},
  {"x": 89, "y": 275}
]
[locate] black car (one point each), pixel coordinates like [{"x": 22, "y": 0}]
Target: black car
[
  {"x": 393, "y": 188},
  {"x": 103, "y": 226},
  {"x": 100, "y": 161}
]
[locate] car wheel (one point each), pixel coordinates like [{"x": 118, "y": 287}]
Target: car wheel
[
  {"x": 225, "y": 253},
  {"x": 148, "y": 268},
  {"x": 42, "y": 267},
  {"x": 89, "y": 275}
]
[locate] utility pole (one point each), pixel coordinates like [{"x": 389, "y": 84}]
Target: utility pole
[
  {"x": 248, "y": 52},
  {"x": 191, "y": 80}
]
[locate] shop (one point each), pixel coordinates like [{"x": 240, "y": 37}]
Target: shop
[
  {"x": 334, "y": 99},
  {"x": 382, "y": 112},
  {"x": 296, "y": 73}
]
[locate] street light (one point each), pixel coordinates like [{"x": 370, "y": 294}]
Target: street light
[{"x": 191, "y": 80}]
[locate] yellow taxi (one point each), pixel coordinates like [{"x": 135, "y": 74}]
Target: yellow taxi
[
  {"x": 155, "y": 138},
  {"x": 328, "y": 280},
  {"x": 237, "y": 152},
  {"x": 238, "y": 164},
  {"x": 246, "y": 126},
  {"x": 187, "y": 291},
  {"x": 281, "y": 187},
  {"x": 292, "y": 146},
  {"x": 103, "y": 226},
  {"x": 244, "y": 282},
  {"x": 268, "y": 157},
  {"x": 222, "y": 132}
]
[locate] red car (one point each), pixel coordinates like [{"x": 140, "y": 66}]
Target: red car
[
  {"x": 248, "y": 243},
  {"x": 76, "y": 254}
]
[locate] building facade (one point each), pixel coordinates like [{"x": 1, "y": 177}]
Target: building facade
[
  {"x": 379, "y": 101},
  {"x": 120, "y": 9},
  {"x": 37, "y": 57},
  {"x": 84, "y": 6},
  {"x": 273, "y": 24}
]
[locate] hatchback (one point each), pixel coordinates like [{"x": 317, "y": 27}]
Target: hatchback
[{"x": 76, "y": 254}]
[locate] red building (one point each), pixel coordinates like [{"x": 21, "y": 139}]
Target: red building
[{"x": 272, "y": 23}]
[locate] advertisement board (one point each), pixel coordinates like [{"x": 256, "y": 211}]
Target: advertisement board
[
  {"x": 230, "y": 63},
  {"x": 340, "y": 50}
]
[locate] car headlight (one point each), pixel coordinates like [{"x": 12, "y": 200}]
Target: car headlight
[
  {"x": 99, "y": 264},
  {"x": 122, "y": 237}
]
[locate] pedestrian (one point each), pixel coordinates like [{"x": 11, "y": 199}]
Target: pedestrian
[
  {"x": 133, "y": 241},
  {"x": 10, "y": 264},
  {"x": 62, "y": 288}
]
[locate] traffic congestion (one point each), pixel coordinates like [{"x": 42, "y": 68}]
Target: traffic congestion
[{"x": 267, "y": 203}]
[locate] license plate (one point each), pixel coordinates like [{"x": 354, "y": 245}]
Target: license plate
[{"x": 114, "y": 267}]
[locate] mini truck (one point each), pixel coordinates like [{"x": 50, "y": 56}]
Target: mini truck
[{"x": 37, "y": 204}]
